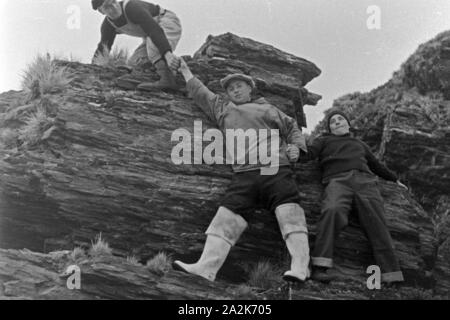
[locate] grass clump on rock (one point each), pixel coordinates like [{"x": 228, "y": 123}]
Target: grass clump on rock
[
  {"x": 35, "y": 125},
  {"x": 44, "y": 71},
  {"x": 161, "y": 263},
  {"x": 264, "y": 275},
  {"x": 118, "y": 57},
  {"x": 100, "y": 247}
]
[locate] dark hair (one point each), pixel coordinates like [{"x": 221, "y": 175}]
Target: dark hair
[{"x": 97, "y": 4}]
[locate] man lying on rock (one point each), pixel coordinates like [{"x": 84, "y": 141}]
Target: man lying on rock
[
  {"x": 159, "y": 28},
  {"x": 250, "y": 186},
  {"x": 348, "y": 167}
]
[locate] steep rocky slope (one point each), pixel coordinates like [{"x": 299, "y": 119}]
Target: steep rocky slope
[{"x": 101, "y": 163}]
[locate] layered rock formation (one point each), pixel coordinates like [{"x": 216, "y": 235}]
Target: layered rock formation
[{"x": 101, "y": 163}]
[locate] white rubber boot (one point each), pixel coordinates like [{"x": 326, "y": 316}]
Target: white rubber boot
[
  {"x": 292, "y": 222},
  {"x": 214, "y": 254},
  {"x": 223, "y": 233},
  {"x": 297, "y": 244}
]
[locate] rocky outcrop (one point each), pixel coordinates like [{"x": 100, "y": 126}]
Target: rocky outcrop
[
  {"x": 101, "y": 163},
  {"x": 407, "y": 121},
  {"x": 280, "y": 76},
  {"x": 28, "y": 275}
]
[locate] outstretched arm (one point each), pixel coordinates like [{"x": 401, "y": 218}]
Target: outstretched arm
[
  {"x": 208, "y": 101},
  {"x": 377, "y": 167},
  {"x": 108, "y": 35}
]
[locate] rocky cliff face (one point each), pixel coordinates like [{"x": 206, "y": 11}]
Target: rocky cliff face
[{"x": 100, "y": 162}]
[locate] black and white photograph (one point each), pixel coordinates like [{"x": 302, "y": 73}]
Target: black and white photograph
[{"x": 226, "y": 156}]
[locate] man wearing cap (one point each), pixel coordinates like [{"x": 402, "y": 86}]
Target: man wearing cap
[
  {"x": 277, "y": 192},
  {"x": 348, "y": 172},
  {"x": 159, "y": 28}
]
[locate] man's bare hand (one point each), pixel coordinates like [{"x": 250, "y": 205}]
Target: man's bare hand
[
  {"x": 183, "y": 66},
  {"x": 184, "y": 70},
  {"x": 293, "y": 153},
  {"x": 173, "y": 62}
]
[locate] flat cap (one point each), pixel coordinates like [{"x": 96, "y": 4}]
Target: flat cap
[{"x": 237, "y": 76}]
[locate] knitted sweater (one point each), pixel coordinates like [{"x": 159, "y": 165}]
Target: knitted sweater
[{"x": 338, "y": 154}]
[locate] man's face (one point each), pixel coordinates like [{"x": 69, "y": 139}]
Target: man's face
[
  {"x": 239, "y": 91},
  {"x": 111, "y": 9},
  {"x": 338, "y": 125}
]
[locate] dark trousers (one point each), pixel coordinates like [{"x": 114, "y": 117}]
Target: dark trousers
[
  {"x": 361, "y": 190},
  {"x": 249, "y": 190}
]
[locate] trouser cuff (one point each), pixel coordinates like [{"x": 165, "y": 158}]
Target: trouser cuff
[
  {"x": 322, "y": 262},
  {"x": 396, "y": 276}
]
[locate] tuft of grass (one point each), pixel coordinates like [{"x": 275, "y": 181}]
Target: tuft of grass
[
  {"x": 100, "y": 247},
  {"x": 264, "y": 275},
  {"x": 133, "y": 260},
  {"x": 44, "y": 71},
  {"x": 77, "y": 253},
  {"x": 35, "y": 125},
  {"x": 118, "y": 57},
  {"x": 161, "y": 263}
]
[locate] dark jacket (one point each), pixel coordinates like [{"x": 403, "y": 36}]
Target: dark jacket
[{"x": 344, "y": 153}]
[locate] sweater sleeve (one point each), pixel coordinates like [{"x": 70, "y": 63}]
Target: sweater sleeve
[
  {"x": 140, "y": 15},
  {"x": 314, "y": 150},
  {"x": 108, "y": 35},
  {"x": 377, "y": 167},
  {"x": 209, "y": 102},
  {"x": 289, "y": 128}
]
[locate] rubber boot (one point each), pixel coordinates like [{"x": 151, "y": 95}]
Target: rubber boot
[
  {"x": 297, "y": 244},
  {"x": 292, "y": 223},
  {"x": 214, "y": 254},
  {"x": 223, "y": 233},
  {"x": 166, "y": 81}
]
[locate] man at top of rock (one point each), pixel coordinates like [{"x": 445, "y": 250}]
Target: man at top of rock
[
  {"x": 348, "y": 167},
  {"x": 253, "y": 182},
  {"x": 159, "y": 28}
]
